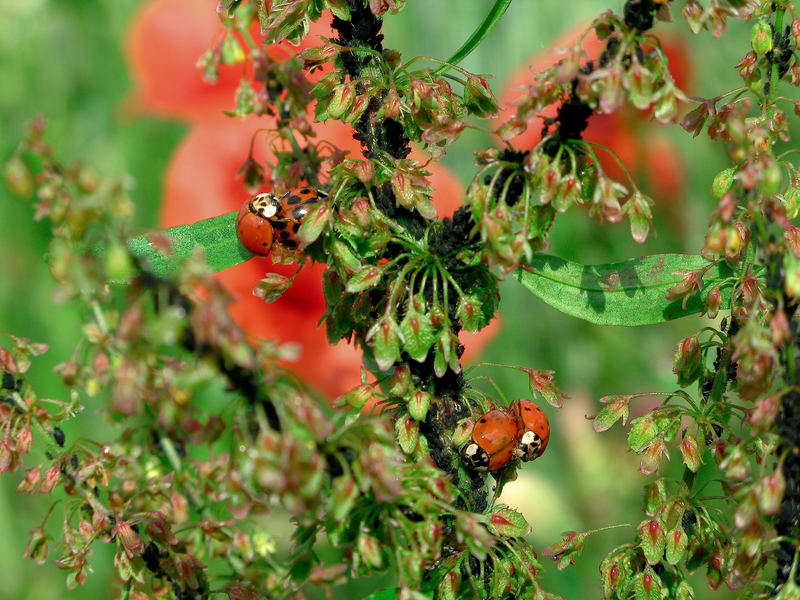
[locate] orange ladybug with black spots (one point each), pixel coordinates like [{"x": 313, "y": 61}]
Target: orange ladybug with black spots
[
  {"x": 522, "y": 431},
  {"x": 493, "y": 443},
  {"x": 266, "y": 219}
]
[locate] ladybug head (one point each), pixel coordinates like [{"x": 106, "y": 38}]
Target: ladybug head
[
  {"x": 530, "y": 447},
  {"x": 475, "y": 457},
  {"x": 265, "y": 205}
]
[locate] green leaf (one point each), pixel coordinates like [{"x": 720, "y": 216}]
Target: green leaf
[
  {"x": 388, "y": 594},
  {"x": 489, "y": 21},
  {"x": 216, "y": 236},
  {"x": 628, "y": 293}
]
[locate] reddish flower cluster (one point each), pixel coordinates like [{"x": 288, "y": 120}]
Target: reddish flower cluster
[{"x": 649, "y": 155}]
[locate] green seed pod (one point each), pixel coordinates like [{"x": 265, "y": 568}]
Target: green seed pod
[
  {"x": 773, "y": 178},
  {"x": 761, "y": 37},
  {"x": 722, "y": 182}
]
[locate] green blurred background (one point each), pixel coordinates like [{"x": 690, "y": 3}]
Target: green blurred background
[{"x": 63, "y": 59}]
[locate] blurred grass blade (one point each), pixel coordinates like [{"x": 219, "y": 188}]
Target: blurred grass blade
[
  {"x": 216, "y": 236},
  {"x": 488, "y": 23},
  {"x": 628, "y": 293},
  {"x": 388, "y": 594}
]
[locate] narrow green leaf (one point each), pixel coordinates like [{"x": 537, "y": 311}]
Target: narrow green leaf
[
  {"x": 489, "y": 21},
  {"x": 217, "y": 237},
  {"x": 628, "y": 293},
  {"x": 388, "y": 594}
]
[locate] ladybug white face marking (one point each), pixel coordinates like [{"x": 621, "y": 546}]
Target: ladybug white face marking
[
  {"x": 475, "y": 456},
  {"x": 265, "y": 205},
  {"x": 530, "y": 446}
]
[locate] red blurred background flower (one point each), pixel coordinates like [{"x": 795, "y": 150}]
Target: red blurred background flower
[
  {"x": 163, "y": 45},
  {"x": 651, "y": 157}
]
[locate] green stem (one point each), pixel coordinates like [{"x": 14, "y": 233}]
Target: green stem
[
  {"x": 488, "y": 23},
  {"x": 773, "y": 75}
]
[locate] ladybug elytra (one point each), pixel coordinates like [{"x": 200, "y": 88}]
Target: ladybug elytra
[
  {"x": 494, "y": 440},
  {"x": 534, "y": 430},
  {"x": 265, "y": 219},
  {"x": 294, "y": 206},
  {"x": 252, "y": 223}
]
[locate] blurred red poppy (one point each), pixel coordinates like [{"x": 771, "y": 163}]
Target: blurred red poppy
[
  {"x": 650, "y": 156},
  {"x": 164, "y": 41}
]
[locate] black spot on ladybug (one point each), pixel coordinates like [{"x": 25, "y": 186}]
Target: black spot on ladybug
[
  {"x": 294, "y": 200},
  {"x": 285, "y": 235},
  {"x": 305, "y": 190},
  {"x": 279, "y": 224},
  {"x": 264, "y": 244},
  {"x": 296, "y": 227},
  {"x": 58, "y": 436},
  {"x": 291, "y": 244},
  {"x": 482, "y": 421}
]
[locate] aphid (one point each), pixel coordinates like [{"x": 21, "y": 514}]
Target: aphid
[
  {"x": 534, "y": 430},
  {"x": 494, "y": 442}
]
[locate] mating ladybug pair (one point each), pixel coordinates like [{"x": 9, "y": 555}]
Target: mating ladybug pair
[
  {"x": 265, "y": 218},
  {"x": 521, "y": 431}
]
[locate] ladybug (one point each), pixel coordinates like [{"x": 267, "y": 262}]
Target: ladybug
[
  {"x": 534, "y": 430},
  {"x": 253, "y": 227},
  {"x": 494, "y": 441},
  {"x": 294, "y": 206}
]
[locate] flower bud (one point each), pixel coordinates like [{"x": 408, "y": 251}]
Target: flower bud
[
  {"x": 342, "y": 99},
  {"x": 691, "y": 453},
  {"x": 761, "y": 37},
  {"x": 736, "y": 465},
  {"x": 418, "y": 405},
  {"x": 713, "y": 302},
  {"x": 31, "y": 481},
  {"x": 37, "y": 546},
  {"x": 478, "y": 97},
  {"x": 791, "y": 282},
  {"x": 401, "y": 381},
  {"x": 772, "y": 179},
  {"x": 407, "y": 430},
  {"x": 51, "y": 478},
  {"x": 687, "y": 364},
  {"x": 18, "y": 177},
  {"x": 723, "y": 182},
  {"x": 747, "y": 64},
  {"x": 370, "y": 550},
  {"x": 357, "y": 397},
  {"x": 360, "y": 104},
  {"x": 770, "y": 492},
  {"x": 755, "y": 81},
  {"x": 365, "y": 171},
  {"x": 762, "y": 415},
  {"x": 318, "y": 55},
  {"x": 271, "y": 287},
  {"x": 746, "y": 512},
  {"x": 462, "y": 432},
  {"x": 391, "y": 104}
]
